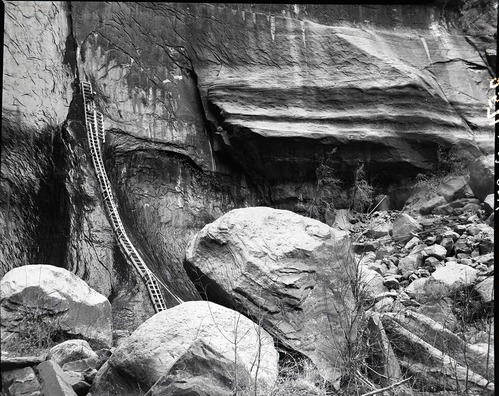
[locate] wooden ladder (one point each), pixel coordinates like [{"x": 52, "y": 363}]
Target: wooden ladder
[{"x": 95, "y": 133}]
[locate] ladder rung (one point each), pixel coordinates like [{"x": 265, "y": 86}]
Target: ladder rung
[{"x": 94, "y": 121}]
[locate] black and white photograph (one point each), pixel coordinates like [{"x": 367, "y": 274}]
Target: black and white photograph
[{"x": 248, "y": 199}]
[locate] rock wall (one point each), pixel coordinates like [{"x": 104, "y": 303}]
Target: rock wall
[
  {"x": 50, "y": 209},
  {"x": 210, "y": 107},
  {"x": 388, "y": 86}
]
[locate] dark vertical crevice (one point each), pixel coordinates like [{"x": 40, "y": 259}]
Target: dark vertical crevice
[
  {"x": 52, "y": 235},
  {"x": 54, "y": 201}
]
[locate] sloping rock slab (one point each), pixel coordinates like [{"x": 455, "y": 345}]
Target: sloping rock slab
[
  {"x": 152, "y": 350},
  {"x": 202, "y": 371},
  {"x": 54, "y": 380},
  {"x": 439, "y": 337},
  {"x": 55, "y": 293},
  {"x": 290, "y": 271},
  {"x": 12, "y": 363}
]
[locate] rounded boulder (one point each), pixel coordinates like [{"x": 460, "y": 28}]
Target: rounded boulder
[
  {"x": 38, "y": 293},
  {"x": 152, "y": 350}
]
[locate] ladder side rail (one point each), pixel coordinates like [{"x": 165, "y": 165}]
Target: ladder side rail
[{"x": 94, "y": 123}]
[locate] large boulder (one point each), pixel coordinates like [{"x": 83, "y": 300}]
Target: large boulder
[
  {"x": 290, "y": 272},
  {"x": 482, "y": 176},
  {"x": 202, "y": 371},
  {"x": 53, "y": 301},
  {"x": 154, "y": 348}
]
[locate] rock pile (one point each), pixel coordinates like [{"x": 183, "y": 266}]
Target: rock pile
[
  {"x": 197, "y": 348},
  {"x": 69, "y": 370}
]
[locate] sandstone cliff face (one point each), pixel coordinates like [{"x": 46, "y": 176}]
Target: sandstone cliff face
[
  {"x": 278, "y": 85},
  {"x": 51, "y": 209},
  {"x": 209, "y": 107}
]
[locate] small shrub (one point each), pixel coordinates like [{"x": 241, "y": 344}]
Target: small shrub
[
  {"x": 332, "y": 192},
  {"x": 300, "y": 379},
  {"x": 362, "y": 193},
  {"x": 35, "y": 333}
]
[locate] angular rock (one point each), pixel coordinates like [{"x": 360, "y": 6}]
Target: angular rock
[
  {"x": 409, "y": 264},
  {"x": 55, "y": 293},
  {"x": 283, "y": 266},
  {"x": 442, "y": 339},
  {"x": 73, "y": 377},
  {"x": 379, "y": 227},
  {"x": 404, "y": 227},
  {"x": 12, "y": 363},
  {"x": 450, "y": 234},
  {"x": 90, "y": 376},
  {"x": 364, "y": 247},
  {"x": 463, "y": 202},
  {"x": 151, "y": 351},
  {"x": 448, "y": 244},
  {"x": 413, "y": 242},
  {"x": 384, "y": 251},
  {"x": 488, "y": 204},
  {"x": 385, "y": 304},
  {"x": 54, "y": 380},
  {"x": 391, "y": 283},
  {"x": 487, "y": 259},
  {"x": 432, "y": 263},
  {"x": 81, "y": 388},
  {"x": 417, "y": 289},
  {"x": 203, "y": 371},
  {"x": 428, "y": 206},
  {"x": 20, "y": 382},
  {"x": 486, "y": 290},
  {"x": 71, "y": 350},
  {"x": 381, "y": 358},
  {"x": 486, "y": 244},
  {"x": 470, "y": 208},
  {"x": 78, "y": 382},
  {"x": 437, "y": 251},
  {"x": 446, "y": 210},
  {"x": 82, "y": 365},
  {"x": 454, "y": 187},
  {"x": 463, "y": 245},
  {"x": 482, "y": 176},
  {"x": 371, "y": 283}
]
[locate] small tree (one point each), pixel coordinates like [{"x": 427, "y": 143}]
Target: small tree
[{"x": 362, "y": 192}]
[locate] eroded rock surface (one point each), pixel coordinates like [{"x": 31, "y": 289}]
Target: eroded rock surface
[
  {"x": 290, "y": 273},
  {"x": 276, "y": 76},
  {"x": 202, "y": 371},
  {"x": 154, "y": 347}
]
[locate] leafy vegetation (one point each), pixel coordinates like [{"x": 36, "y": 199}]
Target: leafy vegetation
[{"x": 333, "y": 193}]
